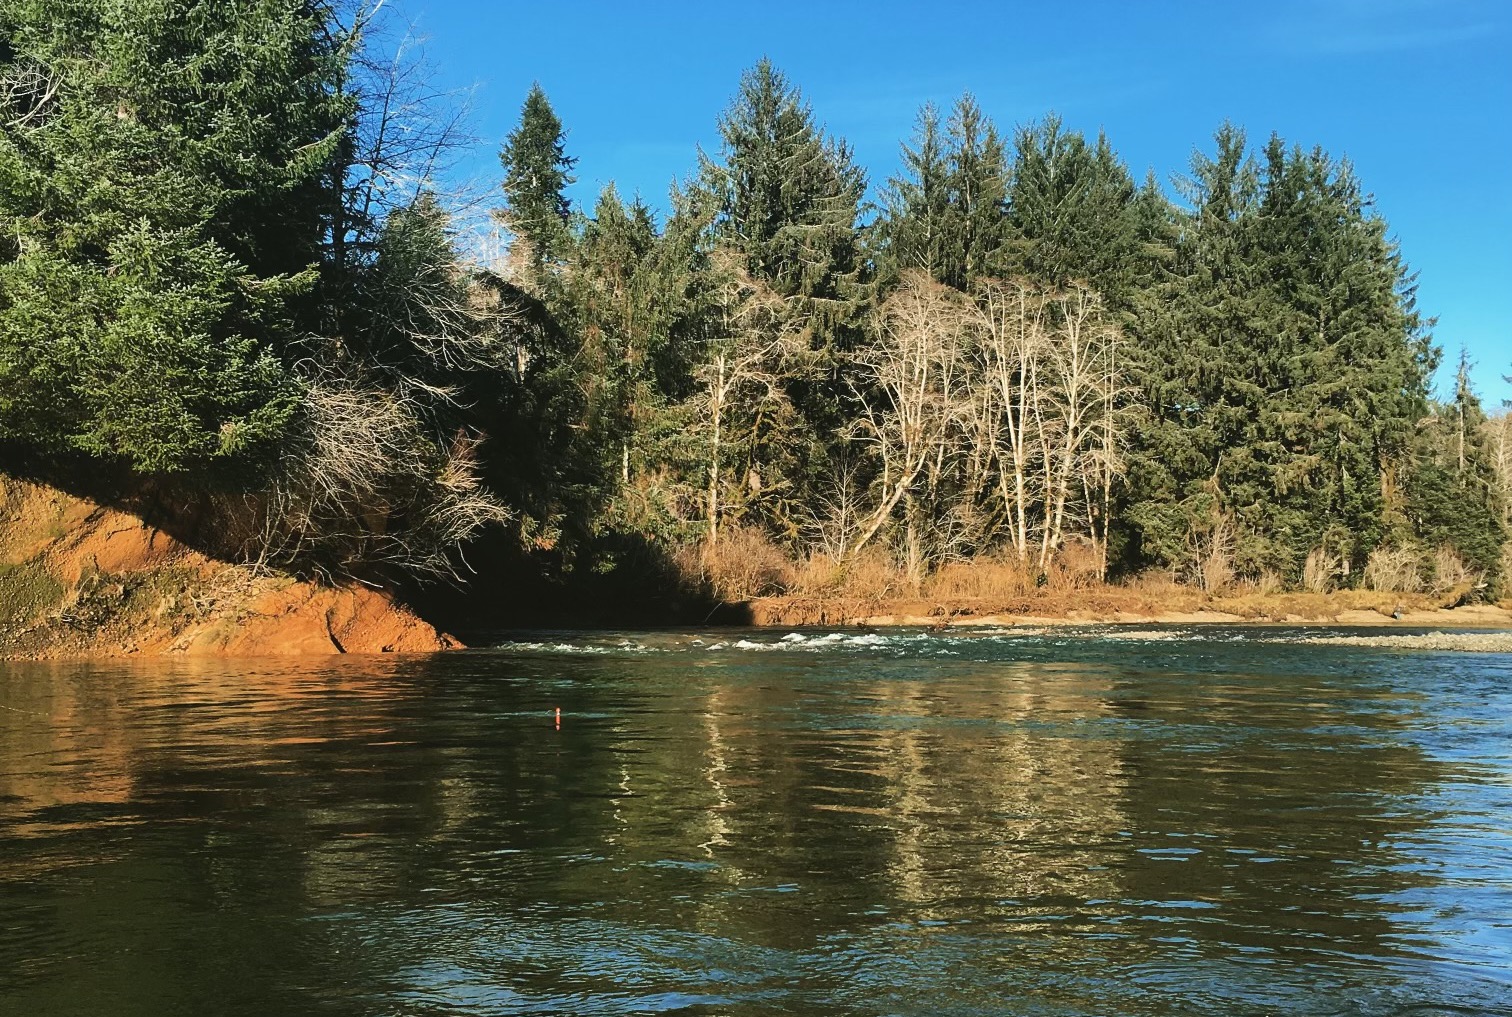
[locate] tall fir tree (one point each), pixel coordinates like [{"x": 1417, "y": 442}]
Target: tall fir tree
[
  {"x": 1349, "y": 356},
  {"x": 915, "y": 228},
  {"x": 978, "y": 183},
  {"x": 1071, "y": 212},
  {"x": 946, "y": 214},
  {"x": 1453, "y": 494},
  {"x": 785, "y": 199},
  {"x": 786, "y": 195},
  {"x": 1284, "y": 366},
  {"x": 537, "y": 172},
  {"x": 1192, "y": 365},
  {"x": 616, "y": 311}
]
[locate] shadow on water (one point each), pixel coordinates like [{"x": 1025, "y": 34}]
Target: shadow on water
[{"x": 754, "y": 833}]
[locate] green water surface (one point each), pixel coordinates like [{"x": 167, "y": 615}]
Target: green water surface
[{"x": 1179, "y": 821}]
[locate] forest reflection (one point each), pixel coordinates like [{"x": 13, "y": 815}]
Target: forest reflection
[{"x": 417, "y": 831}]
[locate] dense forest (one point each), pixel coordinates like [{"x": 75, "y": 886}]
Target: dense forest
[{"x": 232, "y": 278}]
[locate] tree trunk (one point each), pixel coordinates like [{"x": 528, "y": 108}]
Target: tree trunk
[{"x": 717, "y": 406}]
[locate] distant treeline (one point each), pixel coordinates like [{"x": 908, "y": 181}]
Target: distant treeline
[{"x": 226, "y": 266}]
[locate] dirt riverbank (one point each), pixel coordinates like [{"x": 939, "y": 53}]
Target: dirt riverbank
[{"x": 80, "y": 579}]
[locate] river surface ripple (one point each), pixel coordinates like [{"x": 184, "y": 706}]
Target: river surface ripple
[{"x": 1101, "y": 822}]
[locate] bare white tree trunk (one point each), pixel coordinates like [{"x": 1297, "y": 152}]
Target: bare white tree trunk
[
  {"x": 1011, "y": 342},
  {"x": 1048, "y": 360},
  {"x": 717, "y": 393},
  {"x": 911, "y": 395}
]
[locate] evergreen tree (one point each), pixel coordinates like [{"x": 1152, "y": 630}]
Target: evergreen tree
[
  {"x": 785, "y": 199},
  {"x": 1349, "y": 356},
  {"x": 617, "y": 313},
  {"x": 1071, "y": 212},
  {"x": 1454, "y": 499},
  {"x": 1284, "y": 366},
  {"x": 537, "y": 172},
  {"x": 945, "y": 215},
  {"x": 787, "y": 196},
  {"x": 979, "y": 188},
  {"x": 162, "y": 173},
  {"x": 915, "y": 229},
  {"x": 1191, "y": 364}
]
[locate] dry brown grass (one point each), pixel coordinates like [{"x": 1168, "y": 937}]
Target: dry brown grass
[
  {"x": 1320, "y": 570},
  {"x": 872, "y": 576},
  {"x": 955, "y": 595},
  {"x": 1156, "y": 583},
  {"x": 1395, "y": 569},
  {"x": 1076, "y": 566},
  {"x": 748, "y": 566},
  {"x": 986, "y": 577},
  {"x": 995, "y": 588},
  {"x": 817, "y": 575},
  {"x": 743, "y": 565}
]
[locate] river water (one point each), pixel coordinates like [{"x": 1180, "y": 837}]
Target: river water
[{"x": 1100, "y": 822}]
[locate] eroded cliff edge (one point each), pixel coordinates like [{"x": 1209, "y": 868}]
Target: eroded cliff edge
[{"x": 82, "y": 579}]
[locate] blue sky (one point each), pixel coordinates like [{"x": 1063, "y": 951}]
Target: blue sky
[{"x": 1417, "y": 93}]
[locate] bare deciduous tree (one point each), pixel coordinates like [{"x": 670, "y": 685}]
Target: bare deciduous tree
[
  {"x": 405, "y": 133},
  {"x": 380, "y": 473},
  {"x": 1010, "y": 343},
  {"x": 840, "y": 509},
  {"x": 1498, "y": 432},
  {"x": 989, "y": 417},
  {"x": 913, "y": 397},
  {"x": 1049, "y": 409},
  {"x": 366, "y": 483},
  {"x": 1081, "y": 401}
]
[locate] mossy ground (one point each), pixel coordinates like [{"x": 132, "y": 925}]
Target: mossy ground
[{"x": 27, "y": 593}]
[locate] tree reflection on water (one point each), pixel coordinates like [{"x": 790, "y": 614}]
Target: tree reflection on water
[{"x": 736, "y": 834}]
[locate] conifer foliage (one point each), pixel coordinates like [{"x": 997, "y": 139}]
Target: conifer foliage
[
  {"x": 537, "y": 172},
  {"x": 225, "y": 264},
  {"x": 195, "y": 286},
  {"x": 157, "y": 171},
  {"x": 1050, "y": 352},
  {"x": 786, "y": 195}
]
